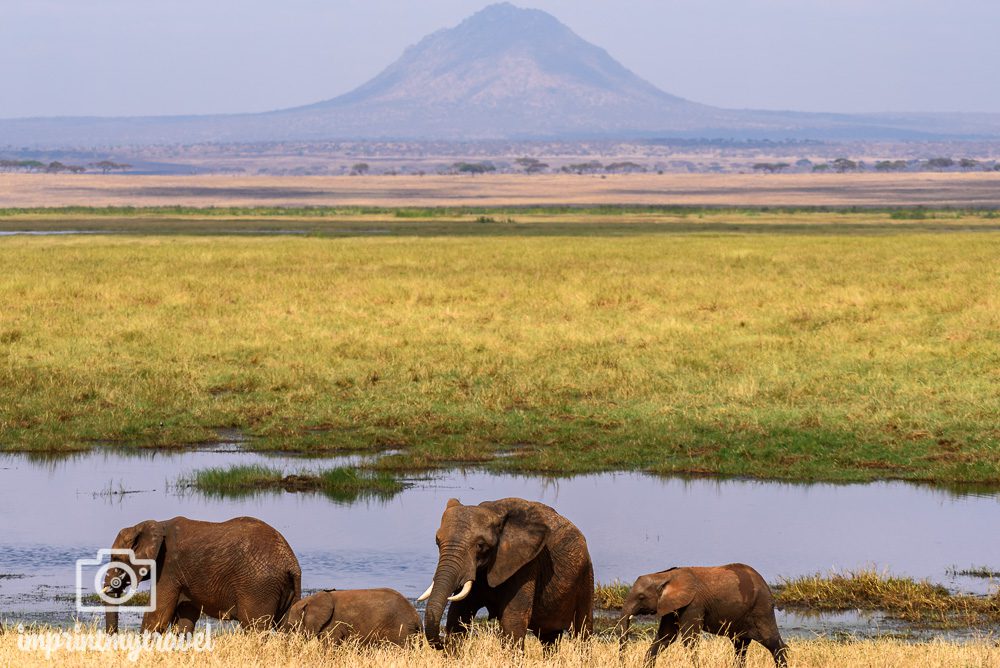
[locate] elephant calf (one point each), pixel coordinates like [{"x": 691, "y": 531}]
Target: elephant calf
[
  {"x": 732, "y": 601},
  {"x": 371, "y": 615}
]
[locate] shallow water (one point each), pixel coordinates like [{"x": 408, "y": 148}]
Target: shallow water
[{"x": 53, "y": 512}]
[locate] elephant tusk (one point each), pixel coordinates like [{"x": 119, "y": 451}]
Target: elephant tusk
[
  {"x": 427, "y": 594},
  {"x": 462, "y": 594}
]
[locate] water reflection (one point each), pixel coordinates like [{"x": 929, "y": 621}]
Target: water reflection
[{"x": 54, "y": 511}]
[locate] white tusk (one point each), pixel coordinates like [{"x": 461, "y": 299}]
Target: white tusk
[
  {"x": 427, "y": 594},
  {"x": 462, "y": 594}
]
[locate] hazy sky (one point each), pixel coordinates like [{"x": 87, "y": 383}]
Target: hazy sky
[{"x": 133, "y": 57}]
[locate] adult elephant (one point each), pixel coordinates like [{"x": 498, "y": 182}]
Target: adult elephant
[
  {"x": 522, "y": 561},
  {"x": 240, "y": 569}
]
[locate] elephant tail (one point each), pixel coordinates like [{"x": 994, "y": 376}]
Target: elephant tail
[{"x": 291, "y": 594}]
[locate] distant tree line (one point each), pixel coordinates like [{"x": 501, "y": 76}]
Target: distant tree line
[
  {"x": 938, "y": 164},
  {"x": 56, "y": 167},
  {"x": 473, "y": 167}
]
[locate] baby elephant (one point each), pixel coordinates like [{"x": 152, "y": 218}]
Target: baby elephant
[
  {"x": 371, "y": 615},
  {"x": 732, "y": 601}
]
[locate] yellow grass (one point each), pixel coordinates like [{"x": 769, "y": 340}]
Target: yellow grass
[
  {"x": 873, "y": 190},
  {"x": 845, "y": 357},
  {"x": 485, "y": 651}
]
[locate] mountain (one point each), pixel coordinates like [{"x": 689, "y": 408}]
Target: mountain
[{"x": 503, "y": 73}]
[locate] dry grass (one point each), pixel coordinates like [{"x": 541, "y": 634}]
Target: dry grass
[
  {"x": 879, "y": 190},
  {"x": 900, "y": 597},
  {"x": 485, "y": 651}
]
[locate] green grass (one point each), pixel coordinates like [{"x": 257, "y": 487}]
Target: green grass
[
  {"x": 140, "y": 598},
  {"x": 773, "y": 351},
  {"x": 339, "y": 484},
  {"x": 610, "y": 596},
  {"x": 984, "y": 572},
  {"x": 903, "y": 598}
]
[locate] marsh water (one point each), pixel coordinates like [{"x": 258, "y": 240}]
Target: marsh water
[{"x": 55, "y": 511}]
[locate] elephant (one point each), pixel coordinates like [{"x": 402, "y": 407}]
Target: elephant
[
  {"x": 371, "y": 615},
  {"x": 731, "y": 601},
  {"x": 526, "y": 564},
  {"x": 239, "y": 569}
]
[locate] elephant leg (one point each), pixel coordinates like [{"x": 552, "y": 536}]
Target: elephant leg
[
  {"x": 691, "y": 623},
  {"x": 778, "y": 649},
  {"x": 665, "y": 634},
  {"x": 254, "y": 614},
  {"x": 740, "y": 644},
  {"x": 186, "y": 616},
  {"x": 548, "y": 640},
  {"x": 583, "y": 616},
  {"x": 459, "y": 621},
  {"x": 516, "y": 614},
  {"x": 162, "y": 618},
  {"x": 336, "y": 632}
]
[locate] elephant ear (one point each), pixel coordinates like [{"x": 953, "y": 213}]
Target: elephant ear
[
  {"x": 522, "y": 537},
  {"x": 317, "y": 611},
  {"x": 147, "y": 539},
  {"x": 678, "y": 591}
]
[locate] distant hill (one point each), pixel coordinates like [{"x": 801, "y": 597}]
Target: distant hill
[{"x": 503, "y": 73}]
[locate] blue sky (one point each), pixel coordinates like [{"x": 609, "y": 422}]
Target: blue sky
[{"x": 135, "y": 57}]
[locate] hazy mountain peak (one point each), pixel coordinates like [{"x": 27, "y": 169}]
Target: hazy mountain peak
[
  {"x": 504, "y": 72},
  {"x": 506, "y": 55}
]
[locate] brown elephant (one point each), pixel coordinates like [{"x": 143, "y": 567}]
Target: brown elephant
[
  {"x": 370, "y": 615},
  {"x": 731, "y": 601},
  {"x": 239, "y": 569},
  {"x": 525, "y": 563}
]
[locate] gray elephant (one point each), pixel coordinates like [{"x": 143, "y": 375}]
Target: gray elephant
[
  {"x": 370, "y": 615},
  {"x": 241, "y": 569},
  {"x": 731, "y": 601},
  {"x": 525, "y": 563}
]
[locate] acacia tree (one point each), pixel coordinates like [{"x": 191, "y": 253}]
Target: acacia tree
[
  {"x": 844, "y": 165},
  {"x": 940, "y": 163},
  {"x": 584, "y": 167},
  {"x": 108, "y": 165},
  {"x": 531, "y": 165},
  {"x": 473, "y": 167},
  {"x": 626, "y": 166},
  {"x": 771, "y": 167},
  {"x": 890, "y": 165}
]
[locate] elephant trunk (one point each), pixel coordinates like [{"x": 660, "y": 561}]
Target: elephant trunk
[
  {"x": 451, "y": 567},
  {"x": 624, "y": 627}
]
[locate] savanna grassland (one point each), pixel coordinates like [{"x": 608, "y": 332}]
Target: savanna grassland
[
  {"x": 484, "y": 650},
  {"x": 928, "y": 189},
  {"x": 779, "y": 344}
]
